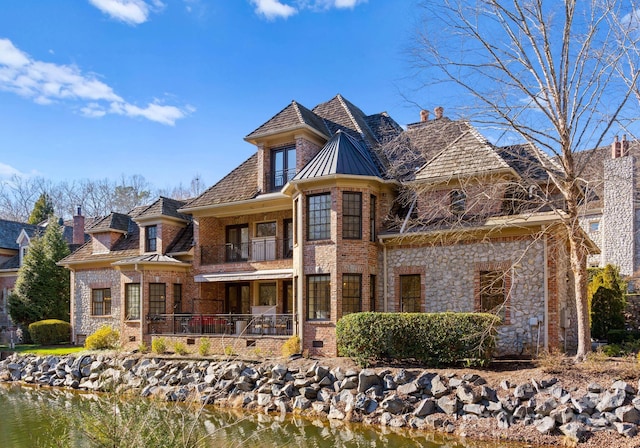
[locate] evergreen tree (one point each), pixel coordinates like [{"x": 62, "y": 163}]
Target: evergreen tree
[
  {"x": 607, "y": 301},
  {"x": 42, "y": 209},
  {"x": 42, "y": 287}
]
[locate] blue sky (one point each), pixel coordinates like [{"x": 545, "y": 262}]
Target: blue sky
[{"x": 169, "y": 88}]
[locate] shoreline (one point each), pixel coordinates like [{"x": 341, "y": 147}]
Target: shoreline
[{"x": 465, "y": 403}]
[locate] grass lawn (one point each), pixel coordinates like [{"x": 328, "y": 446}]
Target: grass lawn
[{"x": 44, "y": 350}]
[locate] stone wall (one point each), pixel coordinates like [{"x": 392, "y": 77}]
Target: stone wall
[
  {"x": 618, "y": 222},
  {"x": 449, "y": 275},
  {"x": 84, "y": 323}
]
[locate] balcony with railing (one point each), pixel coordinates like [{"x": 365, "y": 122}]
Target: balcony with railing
[
  {"x": 280, "y": 178},
  {"x": 259, "y": 249},
  {"x": 244, "y": 325}
]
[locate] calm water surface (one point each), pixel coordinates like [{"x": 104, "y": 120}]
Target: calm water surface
[{"x": 54, "y": 418}]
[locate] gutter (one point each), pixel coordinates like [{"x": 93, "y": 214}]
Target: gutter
[
  {"x": 385, "y": 272},
  {"x": 141, "y": 302},
  {"x": 546, "y": 290}
]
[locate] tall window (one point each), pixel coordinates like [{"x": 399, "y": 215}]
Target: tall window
[
  {"x": 287, "y": 242},
  {"x": 372, "y": 218},
  {"x": 177, "y": 298},
  {"x": 372, "y": 293},
  {"x": 351, "y": 215},
  {"x": 101, "y": 302},
  {"x": 267, "y": 294},
  {"x": 132, "y": 301},
  {"x": 237, "y": 247},
  {"x": 410, "y": 293},
  {"x": 157, "y": 298},
  {"x": 319, "y": 217},
  {"x": 151, "y": 238},
  {"x": 318, "y": 297},
  {"x": 493, "y": 293},
  {"x": 458, "y": 201},
  {"x": 351, "y": 293},
  {"x": 283, "y": 166}
]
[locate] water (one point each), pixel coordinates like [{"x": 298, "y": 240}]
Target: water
[{"x": 55, "y": 418}]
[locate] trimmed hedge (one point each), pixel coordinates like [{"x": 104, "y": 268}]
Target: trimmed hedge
[
  {"x": 104, "y": 338},
  {"x": 50, "y": 331},
  {"x": 432, "y": 338}
]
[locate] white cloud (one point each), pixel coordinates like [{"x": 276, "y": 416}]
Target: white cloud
[
  {"x": 273, "y": 9},
  {"x": 133, "y": 12},
  {"x": 7, "y": 171},
  {"x": 45, "y": 83}
]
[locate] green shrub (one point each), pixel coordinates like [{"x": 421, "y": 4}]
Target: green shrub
[
  {"x": 179, "y": 348},
  {"x": 143, "y": 348},
  {"x": 607, "y": 301},
  {"x": 204, "y": 347},
  {"x": 611, "y": 350},
  {"x": 431, "y": 338},
  {"x": 620, "y": 336},
  {"x": 159, "y": 345},
  {"x": 104, "y": 338},
  {"x": 291, "y": 346},
  {"x": 50, "y": 331}
]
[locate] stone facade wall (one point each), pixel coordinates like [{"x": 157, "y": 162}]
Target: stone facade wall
[
  {"x": 84, "y": 323},
  {"x": 618, "y": 224},
  {"x": 6, "y": 284},
  {"x": 449, "y": 273},
  {"x": 592, "y": 224}
]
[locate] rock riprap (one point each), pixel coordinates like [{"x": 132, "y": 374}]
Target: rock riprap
[{"x": 408, "y": 398}]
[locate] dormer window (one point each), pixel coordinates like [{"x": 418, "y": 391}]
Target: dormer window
[
  {"x": 283, "y": 167},
  {"x": 151, "y": 238}
]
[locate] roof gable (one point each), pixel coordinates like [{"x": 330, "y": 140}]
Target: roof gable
[
  {"x": 162, "y": 207},
  {"x": 114, "y": 222},
  {"x": 292, "y": 116},
  {"x": 469, "y": 155}
]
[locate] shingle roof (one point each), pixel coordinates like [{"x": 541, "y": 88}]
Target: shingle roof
[
  {"x": 470, "y": 154},
  {"x": 342, "y": 154},
  {"x": 239, "y": 185},
  {"x": 11, "y": 263},
  {"x": 163, "y": 207},
  {"x": 128, "y": 245},
  {"x": 183, "y": 241},
  {"x": 293, "y": 115},
  {"x": 10, "y": 230},
  {"x": 526, "y": 160},
  {"x": 118, "y": 222},
  {"x": 340, "y": 114}
]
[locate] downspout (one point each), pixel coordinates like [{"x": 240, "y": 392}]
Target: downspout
[
  {"x": 141, "y": 301},
  {"x": 546, "y": 292}
]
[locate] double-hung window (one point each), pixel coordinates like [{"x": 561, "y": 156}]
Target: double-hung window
[
  {"x": 319, "y": 297},
  {"x": 351, "y": 215},
  {"x": 101, "y": 302},
  {"x": 132, "y": 301},
  {"x": 151, "y": 238},
  {"x": 319, "y": 217}
]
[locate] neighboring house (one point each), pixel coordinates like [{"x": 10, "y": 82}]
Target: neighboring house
[
  {"x": 337, "y": 212},
  {"x": 14, "y": 244}
]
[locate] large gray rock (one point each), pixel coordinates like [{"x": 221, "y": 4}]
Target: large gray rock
[
  {"x": 425, "y": 407},
  {"x": 611, "y": 400},
  {"x": 545, "y": 425},
  {"x": 524, "y": 391},
  {"x": 628, "y": 414},
  {"x": 393, "y": 404},
  {"x": 574, "y": 430},
  {"x": 546, "y": 406},
  {"x": 368, "y": 378},
  {"x": 448, "y": 405},
  {"x": 626, "y": 429},
  {"x": 467, "y": 394},
  {"x": 407, "y": 388},
  {"x": 475, "y": 409},
  {"x": 438, "y": 388}
]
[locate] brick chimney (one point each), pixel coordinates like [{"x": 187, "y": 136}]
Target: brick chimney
[
  {"x": 424, "y": 115},
  {"x": 78, "y": 227},
  {"x": 439, "y": 111},
  {"x": 620, "y": 148}
]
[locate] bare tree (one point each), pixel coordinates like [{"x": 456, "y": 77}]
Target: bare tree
[{"x": 557, "y": 74}]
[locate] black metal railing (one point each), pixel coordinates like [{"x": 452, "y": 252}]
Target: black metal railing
[
  {"x": 280, "y": 178},
  {"x": 258, "y": 249},
  {"x": 221, "y": 324}
]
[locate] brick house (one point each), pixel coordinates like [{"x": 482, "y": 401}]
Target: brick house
[
  {"x": 15, "y": 238},
  {"x": 337, "y": 212}
]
